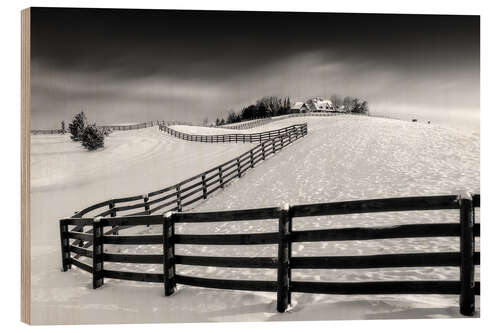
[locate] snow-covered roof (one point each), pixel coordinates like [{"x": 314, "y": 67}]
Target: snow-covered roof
[
  {"x": 297, "y": 105},
  {"x": 322, "y": 104}
]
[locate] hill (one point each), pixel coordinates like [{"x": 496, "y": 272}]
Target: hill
[{"x": 342, "y": 158}]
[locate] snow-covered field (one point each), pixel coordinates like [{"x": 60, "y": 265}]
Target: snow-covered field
[{"x": 341, "y": 158}]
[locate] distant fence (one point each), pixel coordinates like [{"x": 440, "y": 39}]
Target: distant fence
[
  {"x": 284, "y": 262},
  {"x": 130, "y": 127},
  {"x": 262, "y": 121},
  {"x": 117, "y": 127},
  {"x": 247, "y": 124},
  {"x": 235, "y": 137},
  {"x": 50, "y": 131}
]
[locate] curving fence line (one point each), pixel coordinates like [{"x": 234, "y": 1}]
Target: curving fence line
[
  {"x": 189, "y": 191},
  {"x": 235, "y": 137},
  {"x": 284, "y": 263}
]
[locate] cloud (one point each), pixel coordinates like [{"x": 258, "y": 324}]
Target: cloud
[{"x": 108, "y": 97}]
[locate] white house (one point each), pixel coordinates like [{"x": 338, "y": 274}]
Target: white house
[
  {"x": 299, "y": 107},
  {"x": 321, "y": 105}
]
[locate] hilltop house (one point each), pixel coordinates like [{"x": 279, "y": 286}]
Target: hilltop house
[
  {"x": 321, "y": 105},
  {"x": 317, "y": 105},
  {"x": 299, "y": 107}
]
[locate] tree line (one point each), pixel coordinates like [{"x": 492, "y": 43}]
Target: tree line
[
  {"x": 268, "y": 106},
  {"x": 271, "y": 106}
]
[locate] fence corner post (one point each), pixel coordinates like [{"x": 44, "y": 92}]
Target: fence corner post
[
  {"x": 169, "y": 253},
  {"x": 65, "y": 254},
  {"x": 467, "y": 295},
  {"x": 97, "y": 251},
  {"x": 284, "y": 256}
]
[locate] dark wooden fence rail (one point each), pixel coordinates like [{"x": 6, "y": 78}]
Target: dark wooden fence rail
[
  {"x": 466, "y": 230},
  {"x": 235, "y": 137},
  {"x": 189, "y": 191}
]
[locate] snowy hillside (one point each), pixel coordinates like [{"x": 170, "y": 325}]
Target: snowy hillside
[{"x": 341, "y": 158}]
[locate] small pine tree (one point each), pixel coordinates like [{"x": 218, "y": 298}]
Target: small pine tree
[
  {"x": 92, "y": 137},
  {"x": 77, "y": 126},
  {"x": 63, "y": 127}
]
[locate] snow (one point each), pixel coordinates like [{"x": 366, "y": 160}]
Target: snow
[{"x": 341, "y": 158}]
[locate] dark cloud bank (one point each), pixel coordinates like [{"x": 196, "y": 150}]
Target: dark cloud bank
[{"x": 134, "y": 65}]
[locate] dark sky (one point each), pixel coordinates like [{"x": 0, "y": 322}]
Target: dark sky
[{"x": 132, "y": 65}]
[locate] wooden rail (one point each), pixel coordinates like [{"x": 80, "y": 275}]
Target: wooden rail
[
  {"x": 235, "y": 137},
  {"x": 284, "y": 263}
]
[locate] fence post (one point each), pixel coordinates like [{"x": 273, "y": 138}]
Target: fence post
[
  {"x": 239, "y": 169},
  {"x": 65, "y": 254},
  {"x": 146, "y": 199},
  {"x": 284, "y": 249},
  {"x": 467, "y": 296},
  {"x": 263, "y": 151},
  {"x": 251, "y": 158},
  {"x": 220, "y": 178},
  {"x": 204, "y": 184},
  {"x": 113, "y": 214},
  {"x": 169, "y": 254},
  {"x": 97, "y": 251},
  {"x": 179, "y": 203}
]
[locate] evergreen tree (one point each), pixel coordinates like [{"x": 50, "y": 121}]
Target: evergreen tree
[
  {"x": 77, "y": 126},
  {"x": 92, "y": 137}
]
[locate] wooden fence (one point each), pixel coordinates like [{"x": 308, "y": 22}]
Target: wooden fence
[
  {"x": 466, "y": 230},
  {"x": 191, "y": 190},
  {"x": 235, "y": 137},
  {"x": 262, "y": 121},
  {"x": 49, "y": 131},
  {"x": 131, "y": 127},
  {"x": 117, "y": 127},
  {"x": 247, "y": 124}
]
